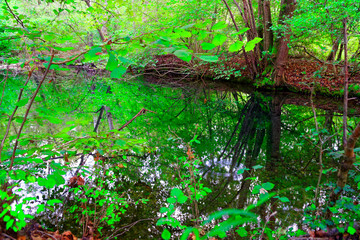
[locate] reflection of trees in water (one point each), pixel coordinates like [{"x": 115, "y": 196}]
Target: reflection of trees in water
[
  {"x": 242, "y": 149},
  {"x": 236, "y": 131}
]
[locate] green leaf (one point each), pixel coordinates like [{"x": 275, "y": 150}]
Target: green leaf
[
  {"x": 182, "y": 199},
  {"x": 219, "y": 25},
  {"x": 284, "y": 199},
  {"x": 112, "y": 63},
  {"x": 120, "y": 142},
  {"x": 240, "y": 32},
  {"x": 63, "y": 49},
  {"x": 92, "y": 53},
  {"x": 125, "y": 60},
  {"x": 9, "y": 223},
  {"x": 54, "y": 120},
  {"x": 251, "y": 44},
  {"x": 52, "y": 202},
  {"x": 206, "y": 189},
  {"x": 41, "y": 182},
  {"x": 231, "y": 212},
  {"x": 207, "y": 46},
  {"x": 48, "y": 37},
  {"x": 268, "y": 186},
  {"x": 163, "y": 210},
  {"x": 4, "y": 212},
  {"x": 20, "y": 174},
  {"x": 209, "y": 58},
  {"x": 183, "y": 33},
  {"x": 255, "y": 40},
  {"x": 57, "y": 178},
  {"x": 171, "y": 200},
  {"x": 242, "y": 232},
  {"x": 166, "y": 234},
  {"x": 202, "y": 35},
  {"x": 249, "y": 47},
  {"x": 161, "y": 221},
  {"x": 236, "y": 46},
  {"x": 22, "y": 102},
  {"x": 48, "y": 183},
  {"x": 6, "y": 218},
  {"x": 257, "y": 167},
  {"x": 175, "y": 192},
  {"x": 40, "y": 209},
  {"x": 219, "y": 39},
  {"x": 183, "y": 55},
  {"x": 188, "y": 26},
  {"x": 256, "y": 189},
  {"x": 118, "y": 72},
  {"x": 351, "y": 230},
  {"x": 188, "y": 231}
]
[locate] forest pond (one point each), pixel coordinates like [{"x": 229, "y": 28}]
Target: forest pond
[
  {"x": 244, "y": 141},
  {"x": 219, "y": 145}
]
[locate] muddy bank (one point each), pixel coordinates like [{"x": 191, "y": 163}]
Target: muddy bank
[{"x": 301, "y": 75}]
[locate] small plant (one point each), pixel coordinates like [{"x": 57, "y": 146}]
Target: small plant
[{"x": 264, "y": 82}]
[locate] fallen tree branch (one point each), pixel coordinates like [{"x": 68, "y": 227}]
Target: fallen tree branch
[{"x": 310, "y": 54}]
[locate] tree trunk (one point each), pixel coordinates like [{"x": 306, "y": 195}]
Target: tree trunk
[
  {"x": 245, "y": 183},
  {"x": 347, "y": 163},
  {"x": 98, "y": 29},
  {"x": 334, "y": 50},
  {"x": 287, "y": 10},
  {"x": 346, "y": 83},
  {"x": 273, "y": 158},
  {"x": 250, "y": 64},
  {"x": 349, "y": 144},
  {"x": 267, "y": 22},
  {"x": 260, "y": 28},
  {"x": 247, "y": 13},
  {"x": 340, "y": 52},
  {"x": 109, "y": 118}
]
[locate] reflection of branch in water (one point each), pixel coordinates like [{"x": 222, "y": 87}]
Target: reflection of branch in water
[
  {"x": 141, "y": 112},
  {"x": 248, "y": 141}
]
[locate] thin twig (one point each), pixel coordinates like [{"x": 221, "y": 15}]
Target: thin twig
[
  {"x": 16, "y": 17},
  {"x": 139, "y": 36},
  {"x": 46, "y": 234},
  {"x": 127, "y": 227},
  {"x": 105, "y": 8},
  {"x": 5, "y": 235}
]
